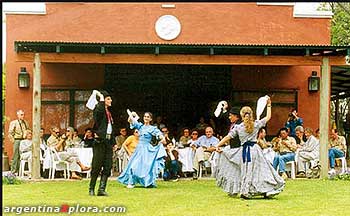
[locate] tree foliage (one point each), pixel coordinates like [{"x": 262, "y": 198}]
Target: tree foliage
[{"x": 340, "y": 29}]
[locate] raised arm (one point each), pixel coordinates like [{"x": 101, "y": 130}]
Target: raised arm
[
  {"x": 223, "y": 141},
  {"x": 268, "y": 111}
]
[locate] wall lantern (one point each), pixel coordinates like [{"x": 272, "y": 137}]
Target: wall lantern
[
  {"x": 23, "y": 78},
  {"x": 313, "y": 82}
]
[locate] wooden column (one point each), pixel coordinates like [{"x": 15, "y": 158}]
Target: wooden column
[
  {"x": 324, "y": 114},
  {"x": 36, "y": 117},
  {"x": 336, "y": 117}
]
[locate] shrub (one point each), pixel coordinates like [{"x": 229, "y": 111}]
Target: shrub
[{"x": 10, "y": 178}]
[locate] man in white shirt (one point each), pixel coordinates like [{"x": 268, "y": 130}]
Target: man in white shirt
[{"x": 206, "y": 145}]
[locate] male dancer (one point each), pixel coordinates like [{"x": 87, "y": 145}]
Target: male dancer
[{"x": 103, "y": 146}]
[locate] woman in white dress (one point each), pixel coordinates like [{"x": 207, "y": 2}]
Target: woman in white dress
[{"x": 251, "y": 174}]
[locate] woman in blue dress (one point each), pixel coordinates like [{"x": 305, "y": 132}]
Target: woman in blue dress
[{"x": 147, "y": 160}]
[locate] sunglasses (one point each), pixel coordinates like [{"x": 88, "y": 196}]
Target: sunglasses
[{"x": 194, "y": 133}]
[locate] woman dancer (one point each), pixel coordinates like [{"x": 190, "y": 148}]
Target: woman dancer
[
  {"x": 147, "y": 160},
  {"x": 251, "y": 173}
]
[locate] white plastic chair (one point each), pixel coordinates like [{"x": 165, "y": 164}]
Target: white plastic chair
[
  {"x": 343, "y": 165},
  {"x": 292, "y": 168},
  {"x": 55, "y": 160},
  {"x": 208, "y": 163},
  {"x": 22, "y": 167}
]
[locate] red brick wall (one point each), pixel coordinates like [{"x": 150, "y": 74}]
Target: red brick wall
[
  {"x": 220, "y": 23},
  {"x": 225, "y": 23},
  {"x": 281, "y": 78}
]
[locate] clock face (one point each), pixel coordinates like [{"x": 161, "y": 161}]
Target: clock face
[{"x": 168, "y": 27}]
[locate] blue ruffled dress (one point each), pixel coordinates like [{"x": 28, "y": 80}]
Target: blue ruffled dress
[{"x": 147, "y": 161}]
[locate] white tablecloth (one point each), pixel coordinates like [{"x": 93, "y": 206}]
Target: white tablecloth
[
  {"x": 84, "y": 155},
  {"x": 186, "y": 156}
]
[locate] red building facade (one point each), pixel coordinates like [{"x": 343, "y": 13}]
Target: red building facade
[{"x": 68, "y": 78}]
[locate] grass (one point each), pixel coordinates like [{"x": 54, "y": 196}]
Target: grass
[{"x": 203, "y": 197}]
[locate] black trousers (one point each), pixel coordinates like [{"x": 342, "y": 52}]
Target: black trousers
[{"x": 101, "y": 160}]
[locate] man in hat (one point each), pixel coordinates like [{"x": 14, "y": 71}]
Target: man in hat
[
  {"x": 103, "y": 148},
  {"x": 234, "y": 117}
]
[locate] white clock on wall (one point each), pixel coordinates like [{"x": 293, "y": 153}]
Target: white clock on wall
[{"x": 168, "y": 27}]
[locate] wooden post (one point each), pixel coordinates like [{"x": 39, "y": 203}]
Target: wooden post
[
  {"x": 36, "y": 117},
  {"x": 336, "y": 117},
  {"x": 324, "y": 115}
]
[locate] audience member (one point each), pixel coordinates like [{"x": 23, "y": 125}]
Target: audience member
[
  {"x": 293, "y": 121},
  {"x": 16, "y": 134},
  {"x": 168, "y": 139},
  {"x": 309, "y": 152},
  {"x": 25, "y": 148},
  {"x": 206, "y": 145},
  {"x": 117, "y": 149},
  {"x": 70, "y": 142},
  {"x": 336, "y": 149},
  {"x": 76, "y": 139},
  {"x": 172, "y": 164},
  {"x": 62, "y": 149},
  {"x": 89, "y": 138},
  {"x": 285, "y": 151},
  {"x": 131, "y": 142},
  {"x": 54, "y": 140},
  {"x": 183, "y": 142},
  {"x": 300, "y": 137}
]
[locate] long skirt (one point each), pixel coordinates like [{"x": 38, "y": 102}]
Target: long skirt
[
  {"x": 144, "y": 165},
  {"x": 256, "y": 177}
]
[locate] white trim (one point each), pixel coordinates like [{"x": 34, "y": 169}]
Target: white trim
[
  {"x": 25, "y": 12},
  {"x": 24, "y": 8},
  {"x": 325, "y": 14}
]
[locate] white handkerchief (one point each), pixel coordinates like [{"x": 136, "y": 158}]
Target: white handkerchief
[
  {"x": 219, "y": 108},
  {"x": 91, "y": 103},
  {"x": 261, "y": 104},
  {"x": 132, "y": 116}
]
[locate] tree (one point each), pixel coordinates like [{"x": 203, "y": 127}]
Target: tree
[{"x": 340, "y": 26}]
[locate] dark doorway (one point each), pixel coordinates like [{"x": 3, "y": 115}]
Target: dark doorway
[{"x": 179, "y": 93}]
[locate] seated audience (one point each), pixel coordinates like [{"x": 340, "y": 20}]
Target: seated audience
[
  {"x": 206, "y": 146},
  {"x": 89, "y": 139},
  {"x": 25, "y": 147},
  {"x": 300, "y": 137},
  {"x": 62, "y": 148},
  {"x": 168, "y": 139},
  {"x": 131, "y": 142},
  {"x": 172, "y": 164},
  {"x": 336, "y": 149},
  {"x": 71, "y": 142},
  {"x": 117, "y": 149},
  {"x": 76, "y": 138},
  {"x": 285, "y": 148},
  {"x": 183, "y": 142},
  {"x": 309, "y": 152}
]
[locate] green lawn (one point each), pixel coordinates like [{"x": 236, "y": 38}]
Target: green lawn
[{"x": 187, "y": 197}]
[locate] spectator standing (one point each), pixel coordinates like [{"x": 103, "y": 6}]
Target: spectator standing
[{"x": 16, "y": 134}]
